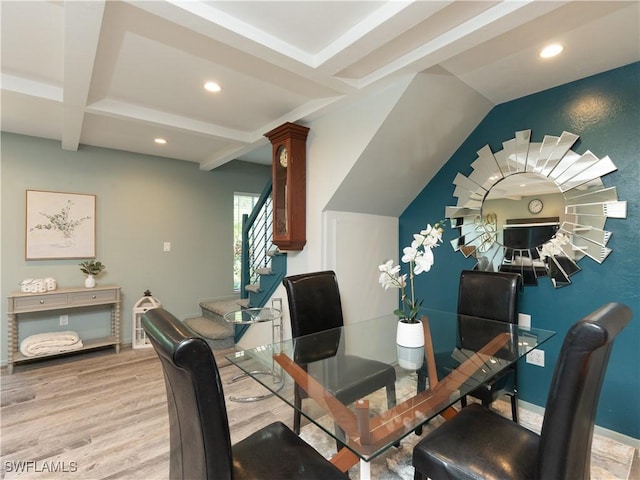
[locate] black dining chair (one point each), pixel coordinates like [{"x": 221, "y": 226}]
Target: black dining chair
[
  {"x": 479, "y": 443},
  {"x": 315, "y": 306},
  {"x": 494, "y": 296},
  {"x": 200, "y": 442}
]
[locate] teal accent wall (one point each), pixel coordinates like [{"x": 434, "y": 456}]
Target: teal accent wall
[
  {"x": 141, "y": 202},
  {"x": 604, "y": 110}
]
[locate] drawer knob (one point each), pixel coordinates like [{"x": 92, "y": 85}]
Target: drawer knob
[
  {"x": 93, "y": 296},
  {"x": 41, "y": 301}
]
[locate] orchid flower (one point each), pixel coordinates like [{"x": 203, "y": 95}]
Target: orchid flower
[{"x": 420, "y": 258}]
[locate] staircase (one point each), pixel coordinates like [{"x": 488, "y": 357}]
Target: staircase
[
  {"x": 266, "y": 279},
  {"x": 263, "y": 268},
  {"x": 211, "y": 323}
]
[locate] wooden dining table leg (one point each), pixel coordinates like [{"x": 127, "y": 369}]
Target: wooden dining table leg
[
  {"x": 343, "y": 417},
  {"x": 379, "y": 429},
  {"x": 430, "y": 361},
  {"x": 344, "y": 459},
  {"x": 362, "y": 416}
]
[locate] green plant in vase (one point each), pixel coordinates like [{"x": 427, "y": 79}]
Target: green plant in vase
[{"x": 91, "y": 268}]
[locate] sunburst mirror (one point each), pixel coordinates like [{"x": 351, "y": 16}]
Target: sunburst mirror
[{"x": 535, "y": 208}]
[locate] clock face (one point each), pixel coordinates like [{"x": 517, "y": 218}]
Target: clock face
[
  {"x": 283, "y": 156},
  {"x": 535, "y": 205}
]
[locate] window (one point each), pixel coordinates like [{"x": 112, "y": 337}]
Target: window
[{"x": 243, "y": 203}]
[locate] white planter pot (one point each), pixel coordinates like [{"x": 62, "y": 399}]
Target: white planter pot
[
  {"x": 410, "y": 341},
  {"x": 89, "y": 282}
]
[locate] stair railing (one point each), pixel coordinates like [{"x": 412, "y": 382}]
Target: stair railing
[
  {"x": 263, "y": 266},
  {"x": 257, "y": 236}
]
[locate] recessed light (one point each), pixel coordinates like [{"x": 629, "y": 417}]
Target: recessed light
[
  {"x": 161, "y": 141},
  {"x": 551, "y": 50},
  {"x": 212, "y": 87}
]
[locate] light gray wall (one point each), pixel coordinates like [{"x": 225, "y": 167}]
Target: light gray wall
[
  {"x": 142, "y": 201},
  {"x": 365, "y": 161}
]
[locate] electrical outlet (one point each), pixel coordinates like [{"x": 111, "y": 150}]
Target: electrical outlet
[
  {"x": 64, "y": 320},
  {"x": 524, "y": 320},
  {"x": 536, "y": 357},
  {"x": 166, "y": 246}
]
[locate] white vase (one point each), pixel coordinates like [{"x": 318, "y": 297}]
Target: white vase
[
  {"x": 90, "y": 281},
  {"x": 410, "y": 341}
]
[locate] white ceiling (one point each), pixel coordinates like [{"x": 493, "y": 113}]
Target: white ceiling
[{"x": 118, "y": 74}]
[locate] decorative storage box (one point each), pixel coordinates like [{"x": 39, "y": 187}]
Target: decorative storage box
[{"x": 138, "y": 337}]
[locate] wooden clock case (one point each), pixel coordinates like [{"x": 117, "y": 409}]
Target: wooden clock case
[{"x": 289, "y": 185}]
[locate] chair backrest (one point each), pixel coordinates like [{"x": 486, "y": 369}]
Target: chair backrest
[
  {"x": 491, "y": 295},
  {"x": 314, "y": 302},
  {"x": 198, "y": 424},
  {"x": 567, "y": 428}
]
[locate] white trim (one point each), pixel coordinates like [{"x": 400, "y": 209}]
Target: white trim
[{"x": 603, "y": 432}]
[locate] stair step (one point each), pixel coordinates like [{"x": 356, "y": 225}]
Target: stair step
[
  {"x": 219, "y": 335},
  {"x": 255, "y": 288},
  {"x": 212, "y": 326},
  {"x": 218, "y": 308},
  {"x": 264, "y": 271}
]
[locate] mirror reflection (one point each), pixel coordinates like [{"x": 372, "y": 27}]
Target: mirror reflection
[
  {"x": 529, "y": 206},
  {"x": 535, "y": 208}
]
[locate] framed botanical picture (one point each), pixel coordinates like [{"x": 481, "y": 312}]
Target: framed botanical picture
[{"x": 60, "y": 225}]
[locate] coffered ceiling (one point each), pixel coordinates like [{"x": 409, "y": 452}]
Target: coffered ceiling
[{"x": 118, "y": 74}]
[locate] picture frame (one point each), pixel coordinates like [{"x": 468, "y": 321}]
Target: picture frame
[{"x": 60, "y": 225}]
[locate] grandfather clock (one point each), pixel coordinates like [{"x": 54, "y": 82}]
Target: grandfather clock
[{"x": 289, "y": 152}]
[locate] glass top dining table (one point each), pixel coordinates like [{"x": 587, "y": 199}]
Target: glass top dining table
[{"x": 455, "y": 363}]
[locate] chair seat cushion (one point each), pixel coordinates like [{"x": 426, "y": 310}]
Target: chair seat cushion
[
  {"x": 501, "y": 384},
  {"x": 358, "y": 377},
  {"x": 276, "y": 452},
  {"x": 495, "y": 448}
]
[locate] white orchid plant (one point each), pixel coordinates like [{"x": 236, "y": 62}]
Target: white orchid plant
[
  {"x": 554, "y": 246},
  {"x": 420, "y": 258}
]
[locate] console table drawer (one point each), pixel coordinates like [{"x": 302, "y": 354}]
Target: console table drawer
[
  {"x": 39, "y": 302},
  {"x": 92, "y": 297}
]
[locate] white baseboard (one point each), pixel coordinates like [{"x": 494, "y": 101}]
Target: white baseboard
[{"x": 604, "y": 432}]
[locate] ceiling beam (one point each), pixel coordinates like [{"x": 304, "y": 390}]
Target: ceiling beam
[
  {"x": 491, "y": 23},
  {"x": 83, "y": 21}
]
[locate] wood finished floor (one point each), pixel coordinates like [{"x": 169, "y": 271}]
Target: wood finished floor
[{"x": 104, "y": 416}]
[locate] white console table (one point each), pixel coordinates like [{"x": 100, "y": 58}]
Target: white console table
[{"x": 62, "y": 299}]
